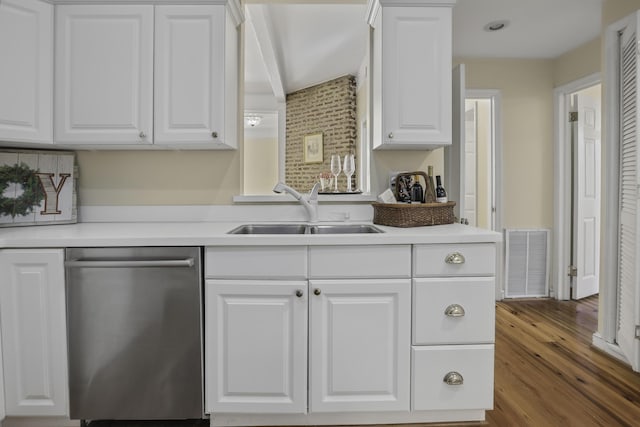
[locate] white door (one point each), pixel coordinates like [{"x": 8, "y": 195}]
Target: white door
[
  {"x": 256, "y": 346},
  {"x": 470, "y": 161},
  {"x": 189, "y": 74},
  {"x": 26, "y": 88},
  {"x": 34, "y": 333},
  {"x": 359, "y": 345},
  {"x": 586, "y": 194},
  {"x": 629, "y": 220},
  {"x": 454, "y": 155},
  {"x": 104, "y": 74}
]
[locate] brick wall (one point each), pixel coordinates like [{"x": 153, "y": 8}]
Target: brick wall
[{"x": 328, "y": 108}]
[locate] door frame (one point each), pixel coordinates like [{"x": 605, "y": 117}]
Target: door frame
[
  {"x": 562, "y": 192},
  {"x": 496, "y": 98}
]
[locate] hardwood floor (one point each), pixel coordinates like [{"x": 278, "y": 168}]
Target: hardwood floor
[{"x": 548, "y": 374}]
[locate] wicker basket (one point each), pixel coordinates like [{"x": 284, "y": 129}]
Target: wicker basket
[{"x": 413, "y": 215}]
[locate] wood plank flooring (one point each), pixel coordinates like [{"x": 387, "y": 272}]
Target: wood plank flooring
[{"x": 548, "y": 374}]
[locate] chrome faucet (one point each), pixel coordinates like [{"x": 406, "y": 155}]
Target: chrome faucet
[{"x": 310, "y": 203}]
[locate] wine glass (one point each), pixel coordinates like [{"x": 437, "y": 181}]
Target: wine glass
[
  {"x": 335, "y": 169},
  {"x": 349, "y": 168}
]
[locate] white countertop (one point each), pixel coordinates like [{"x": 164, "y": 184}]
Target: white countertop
[{"x": 215, "y": 234}]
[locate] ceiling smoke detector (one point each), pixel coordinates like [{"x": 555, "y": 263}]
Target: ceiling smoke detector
[{"x": 496, "y": 25}]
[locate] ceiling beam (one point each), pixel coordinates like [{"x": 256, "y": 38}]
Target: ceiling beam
[{"x": 257, "y": 17}]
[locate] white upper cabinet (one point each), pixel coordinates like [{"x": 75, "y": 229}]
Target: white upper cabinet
[
  {"x": 191, "y": 83},
  {"x": 135, "y": 75},
  {"x": 26, "y": 73},
  {"x": 412, "y": 57},
  {"x": 104, "y": 74}
]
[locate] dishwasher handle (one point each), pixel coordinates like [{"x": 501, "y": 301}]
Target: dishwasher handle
[{"x": 79, "y": 263}]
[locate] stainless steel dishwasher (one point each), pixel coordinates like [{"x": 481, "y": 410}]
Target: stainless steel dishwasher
[{"x": 134, "y": 320}]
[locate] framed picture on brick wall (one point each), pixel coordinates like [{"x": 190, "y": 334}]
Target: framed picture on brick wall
[{"x": 313, "y": 148}]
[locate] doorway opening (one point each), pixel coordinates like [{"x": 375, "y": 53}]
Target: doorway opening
[
  {"x": 480, "y": 164},
  {"x": 577, "y": 204}
]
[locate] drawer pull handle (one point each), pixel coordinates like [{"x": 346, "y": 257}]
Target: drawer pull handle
[
  {"x": 453, "y": 378},
  {"x": 455, "y": 258},
  {"x": 454, "y": 310}
]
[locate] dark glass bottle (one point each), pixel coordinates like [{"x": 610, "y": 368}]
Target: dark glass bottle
[
  {"x": 417, "y": 193},
  {"x": 441, "y": 194}
]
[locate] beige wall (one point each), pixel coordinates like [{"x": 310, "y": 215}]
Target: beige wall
[
  {"x": 580, "y": 62},
  {"x": 526, "y": 88},
  {"x": 260, "y": 165},
  {"x": 158, "y": 177}
]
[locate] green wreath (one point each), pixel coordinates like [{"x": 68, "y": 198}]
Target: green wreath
[{"x": 31, "y": 197}]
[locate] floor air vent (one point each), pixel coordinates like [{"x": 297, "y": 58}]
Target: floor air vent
[{"x": 527, "y": 263}]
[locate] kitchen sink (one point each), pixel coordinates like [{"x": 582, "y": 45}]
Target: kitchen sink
[
  {"x": 344, "y": 229},
  {"x": 305, "y": 229},
  {"x": 270, "y": 229}
]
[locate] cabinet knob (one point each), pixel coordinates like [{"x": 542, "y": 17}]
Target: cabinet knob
[
  {"x": 317, "y": 291},
  {"x": 390, "y": 135},
  {"x": 299, "y": 293},
  {"x": 454, "y": 310},
  {"x": 214, "y": 135},
  {"x": 142, "y": 134},
  {"x": 455, "y": 258},
  {"x": 453, "y": 378}
]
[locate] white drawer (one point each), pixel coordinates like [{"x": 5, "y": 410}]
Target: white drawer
[
  {"x": 453, "y": 310},
  {"x": 464, "y": 259},
  {"x": 256, "y": 262},
  {"x": 383, "y": 261},
  {"x": 470, "y": 364}
]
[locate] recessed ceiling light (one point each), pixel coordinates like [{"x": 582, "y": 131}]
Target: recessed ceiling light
[{"x": 496, "y": 25}]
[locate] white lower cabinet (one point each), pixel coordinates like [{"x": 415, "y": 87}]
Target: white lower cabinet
[
  {"x": 256, "y": 346},
  {"x": 33, "y": 328},
  {"x": 452, "y": 377},
  {"x": 395, "y": 333},
  {"x": 359, "y": 345}
]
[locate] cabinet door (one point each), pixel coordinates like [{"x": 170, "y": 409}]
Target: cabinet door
[
  {"x": 359, "y": 345},
  {"x": 256, "y": 346},
  {"x": 189, "y": 74},
  {"x": 104, "y": 74},
  {"x": 34, "y": 339},
  {"x": 26, "y": 86},
  {"x": 416, "y": 77}
]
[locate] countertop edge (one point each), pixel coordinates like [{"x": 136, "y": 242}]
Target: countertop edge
[{"x": 215, "y": 234}]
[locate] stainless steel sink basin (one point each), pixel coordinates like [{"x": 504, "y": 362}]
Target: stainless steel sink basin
[
  {"x": 270, "y": 229},
  {"x": 344, "y": 229},
  {"x": 305, "y": 229}
]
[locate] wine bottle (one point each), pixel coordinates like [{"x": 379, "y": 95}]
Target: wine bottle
[
  {"x": 417, "y": 194},
  {"x": 430, "y": 189},
  {"x": 441, "y": 194}
]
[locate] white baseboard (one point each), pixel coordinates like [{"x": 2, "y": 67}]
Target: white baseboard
[{"x": 610, "y": 348}]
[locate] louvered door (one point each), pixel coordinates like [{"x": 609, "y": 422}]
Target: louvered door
[{"x": 628, "y": 256}]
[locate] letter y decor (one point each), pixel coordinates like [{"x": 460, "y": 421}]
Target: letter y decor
[{"x": 37, "y": 188}]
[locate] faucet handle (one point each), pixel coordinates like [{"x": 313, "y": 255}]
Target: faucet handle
[{"x": 313, "y": 194}]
